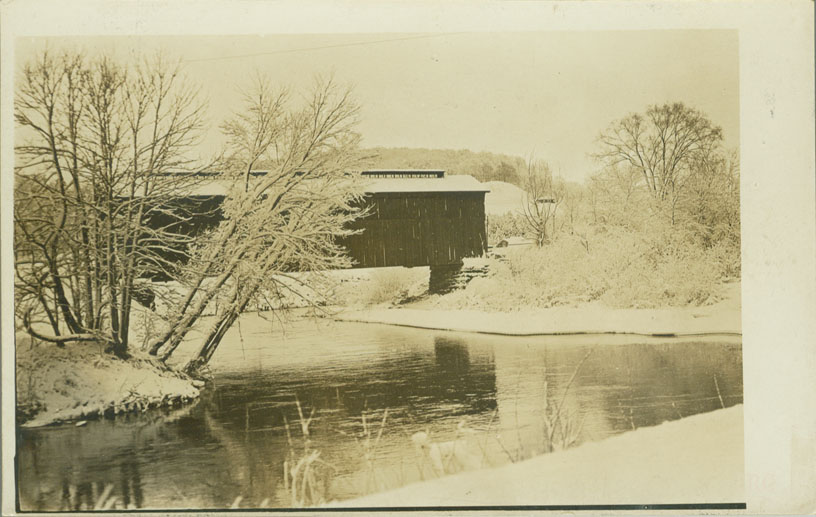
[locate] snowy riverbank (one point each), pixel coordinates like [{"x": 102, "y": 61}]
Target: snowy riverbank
[
  {"x": 723, "y": 317},
  {"x": 698, "y": 459},
  {"x": 78, "y": 382}
]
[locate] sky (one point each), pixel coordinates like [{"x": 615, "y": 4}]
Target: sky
[{"x": 548, "y": 94}]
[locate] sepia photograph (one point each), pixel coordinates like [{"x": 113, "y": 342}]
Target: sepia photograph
[{"x": 376, "y": 270}]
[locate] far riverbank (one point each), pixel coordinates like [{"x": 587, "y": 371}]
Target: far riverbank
[{"x": 721, "y": 318}]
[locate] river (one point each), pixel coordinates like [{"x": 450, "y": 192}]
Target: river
[{"x": 492, "y": 391}]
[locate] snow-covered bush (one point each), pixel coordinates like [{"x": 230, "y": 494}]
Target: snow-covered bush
[
  {"x": 619, "y": 267},
  {"x": 387, "y": 285},
  {"x": 506, "y": 225}
]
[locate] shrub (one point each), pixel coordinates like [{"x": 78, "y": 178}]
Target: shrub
[
  {"x": 506, "y": 225},
  {"x": 387, "y": 285},
  {"x": 620, "y": 267}
]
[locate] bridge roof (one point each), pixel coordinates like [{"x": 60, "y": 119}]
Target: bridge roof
[{"x": 454, "y": 183}]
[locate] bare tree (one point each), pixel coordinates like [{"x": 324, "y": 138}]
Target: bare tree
[
  {"x": 710, "y": 203},
  {"x": 100, "y": 187},
  {"x": 573, "y": 201},
  {"x": 94, "y": 138},
  {"x": 619, "y": 196},
  {"x": 662, "y": 145},
  {"x": 279, "y": 223},
  {"x": 253, "y": 131},
  {"x": 542, "y": 197}
]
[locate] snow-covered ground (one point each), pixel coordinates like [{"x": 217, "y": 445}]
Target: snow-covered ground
[
  {"x": 78, "y": 382},
  {"x": 503, "y": 198},
  {"x": 588, "y": 318},
  {"x": 698, "y": 459}
]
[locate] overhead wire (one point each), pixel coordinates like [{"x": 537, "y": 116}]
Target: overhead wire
[{"x": 321, "y": 47}]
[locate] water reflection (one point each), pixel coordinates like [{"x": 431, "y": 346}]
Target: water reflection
[
  {"x": 451, "y": 355},
  {"x": 233, "y": 442}
]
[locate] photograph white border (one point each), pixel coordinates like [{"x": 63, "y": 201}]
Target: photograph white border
[{"x": 777, "y": 173}]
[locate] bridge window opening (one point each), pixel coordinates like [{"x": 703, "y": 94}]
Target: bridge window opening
[{"x": 420, "y": 173}]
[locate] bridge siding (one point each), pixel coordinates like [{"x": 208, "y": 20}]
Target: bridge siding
[
  {"x": 419, "y": 229},
  {"x": 402, "y": 229}
]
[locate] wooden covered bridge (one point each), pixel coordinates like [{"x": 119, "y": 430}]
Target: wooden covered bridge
[
  {"x": 415, "y": 218},
  {"x": 420, "y": 218}
]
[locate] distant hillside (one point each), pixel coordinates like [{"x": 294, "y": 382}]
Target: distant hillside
[{"x": 482, "y": 166}]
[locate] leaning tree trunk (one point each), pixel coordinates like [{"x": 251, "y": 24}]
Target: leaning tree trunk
[{"x": 217, "y": 334}]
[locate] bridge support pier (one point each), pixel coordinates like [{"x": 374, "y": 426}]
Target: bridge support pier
[{"x": 443, "y": 277}]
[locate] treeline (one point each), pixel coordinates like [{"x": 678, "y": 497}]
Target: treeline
[
  {"x": 706, "y": 212},
  {"x": 483, "y": 166},
  {"x": 659, "y": 225}
]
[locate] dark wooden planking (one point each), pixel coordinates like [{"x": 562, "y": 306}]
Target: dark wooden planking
[
  {"x": 419, "y": 229},
  {"x": 401, "y": 229}
]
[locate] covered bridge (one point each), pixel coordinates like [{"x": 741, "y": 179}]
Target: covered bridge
[
  {"x": 419, "y": 218},
  {"x": 414, "y": 218}
]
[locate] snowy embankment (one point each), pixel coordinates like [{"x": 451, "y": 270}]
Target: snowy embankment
[
  {"x": 698, "y": 459},
  {"x": 503, "y": 198},
  {"x": 588, "y": 318},
  {"x": 79, "y": 382}
]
